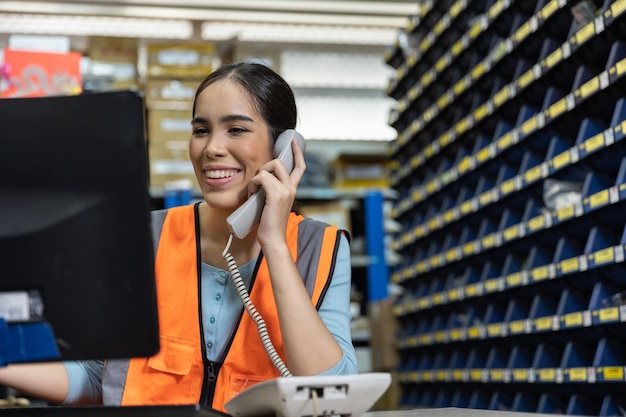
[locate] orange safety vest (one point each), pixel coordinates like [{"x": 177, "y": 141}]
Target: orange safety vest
[{"x": 180, "y": 373}]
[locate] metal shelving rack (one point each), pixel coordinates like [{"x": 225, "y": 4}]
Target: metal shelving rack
[{"x": 509, "y": 304}]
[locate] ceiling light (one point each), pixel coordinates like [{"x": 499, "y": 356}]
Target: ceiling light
[
  {"x": 291, "y": 33},
  {"x": 178, "y": 11},
  {"x": 95, "y": 26}
]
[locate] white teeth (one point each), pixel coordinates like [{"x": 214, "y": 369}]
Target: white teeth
[{"x": 220, "y": 173}]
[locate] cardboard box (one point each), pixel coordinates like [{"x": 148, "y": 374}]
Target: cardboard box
[
  {"x": 181, "y": 60},
  {"x": 357, "y": 171},
  {"x": 332, "y": 213},
  {"x": 171, "y": 94},
  {"x": 383, "y": 327},
  {"x": 168, "y": 162},
  {"x": 168, "y": 125}
]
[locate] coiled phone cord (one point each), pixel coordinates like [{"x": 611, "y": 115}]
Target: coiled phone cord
[{"x": 240, "y": 286}]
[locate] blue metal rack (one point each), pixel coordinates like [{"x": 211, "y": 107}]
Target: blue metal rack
[{"x": 509, "y": 303}]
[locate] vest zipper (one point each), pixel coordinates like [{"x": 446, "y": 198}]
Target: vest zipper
[
  {"x": 210, "y": 371},
  {"x": 210, "y": 379}
]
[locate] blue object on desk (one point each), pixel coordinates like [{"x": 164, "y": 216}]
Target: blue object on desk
[{"x": 26, "y": 342}]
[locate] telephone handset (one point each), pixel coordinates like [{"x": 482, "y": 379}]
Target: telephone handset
[{"x": 241, "y": 221}]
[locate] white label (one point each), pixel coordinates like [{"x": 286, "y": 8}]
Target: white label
[{"x": 14, "y": 306}]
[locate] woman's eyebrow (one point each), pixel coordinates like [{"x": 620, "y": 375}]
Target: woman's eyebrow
[
  {"x": 228, "y": 118},
  {"x": 236, "y": 117}
]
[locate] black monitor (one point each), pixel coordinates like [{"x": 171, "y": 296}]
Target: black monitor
[{"x": 75, "y": 223}]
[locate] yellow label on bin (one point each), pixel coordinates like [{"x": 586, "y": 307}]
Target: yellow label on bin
[
  {"x": 573, "y": 319},
  {"x": 613, "y": 373},
  {"x": 569, "y": 265},
  {"x": 565, "y": 213},
  {"x": 551, "y": 7},
  {"x": 514, "y": 279},
  {"x": 473, "y": 332},
  {"x": 497, "y": 374},
  {"x": 589, "y": 87},
  {"x": 603, "y": 256},
  {"x": 533, "y": 174},
  {"x": 543, "y": 323},
  {"x": 536, "y": 223},
  {"x": 547, "y": 374},
  {"x": 561, "y": 160},
  {"x": 618, "y": 7},
  {"x": 517, "y": 326},
  {"x": 496, "y": 9},
  {"x": 501, "y": 96},
  {"x": 520, "y": 375},
  {"x": 526, "y": 78},
  {"x": 608, "y": 314},
  {"x": 476, "y": 374},
  {"x": 594, "y": 142},
  {"x": 599, "y": 199},
  {"x": 540, "y": 273},
  {"x": 585, "y": 33},
  {"x": 522, "y": 32},
  {"x": 557, "y": 108},
  {"x": 578, "y": 374},
  {"x": 554, "y": 58},
  {"x": 478, "y": 71},
  {"x": 529, "y": 126}
]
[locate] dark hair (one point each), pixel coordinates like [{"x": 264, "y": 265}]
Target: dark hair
[{"x": 271, "y": 96}]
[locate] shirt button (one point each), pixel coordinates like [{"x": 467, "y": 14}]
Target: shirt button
[
  {"x": 218, "y": 297},
  {"x": 212, "y": 320},
  {"x": 209, "y": 345},
  {"x": 223, "y": 274}
]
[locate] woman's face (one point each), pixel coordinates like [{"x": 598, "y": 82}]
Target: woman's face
[{"x": 229, "y": 142}]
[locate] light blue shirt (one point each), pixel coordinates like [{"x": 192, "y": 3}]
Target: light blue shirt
[{"x": 221, "y": 307}]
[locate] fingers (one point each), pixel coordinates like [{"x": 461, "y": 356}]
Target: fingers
[
  {"x": 278, "y": 169},
  {"x": 299, "y": 165}
]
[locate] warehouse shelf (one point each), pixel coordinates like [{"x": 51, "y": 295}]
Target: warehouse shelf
[
  {"x": 568, "y": 50},
  {"x": 511, "y": 181}
]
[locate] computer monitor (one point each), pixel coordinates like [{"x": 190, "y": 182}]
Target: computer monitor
[{"x": 75, "y": 232}]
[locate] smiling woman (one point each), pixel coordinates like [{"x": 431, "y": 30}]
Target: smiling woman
[{"x": 296, "y": 269}]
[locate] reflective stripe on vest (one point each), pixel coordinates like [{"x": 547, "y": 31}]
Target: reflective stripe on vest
[{"x": 175, "y": 374}]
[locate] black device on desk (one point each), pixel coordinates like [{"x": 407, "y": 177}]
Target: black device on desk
[{"x": 75, "y": 240}]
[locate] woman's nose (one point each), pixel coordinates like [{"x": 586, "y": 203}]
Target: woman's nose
[{"x": 214, "y": 147}]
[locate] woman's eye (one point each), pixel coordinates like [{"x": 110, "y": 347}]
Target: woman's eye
[
  {"x": 237, "y": 130},
  {"x": 200, "y": 131}
]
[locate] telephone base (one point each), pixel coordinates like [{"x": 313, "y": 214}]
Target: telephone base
[{"x": 310, "y": 396}]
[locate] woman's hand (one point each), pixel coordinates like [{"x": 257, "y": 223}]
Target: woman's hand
[{"x": 280, "y": 189}]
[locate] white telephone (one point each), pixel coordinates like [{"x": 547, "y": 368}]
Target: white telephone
[{"x": 241, "y": 221}]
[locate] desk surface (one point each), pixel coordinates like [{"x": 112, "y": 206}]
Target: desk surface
[{"x": 453, "y": 412}]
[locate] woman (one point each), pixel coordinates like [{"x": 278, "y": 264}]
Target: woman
[{"x": 297, "y": 270}]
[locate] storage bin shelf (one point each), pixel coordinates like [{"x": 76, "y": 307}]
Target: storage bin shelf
[
  {"x": 574, "y": 159},
  {"x": 410, "y": 73},
  {"x": 511, "y": 181},
  {"x": 506, "y": 47},
  {"x": 509, "y": 93},
  {"x": 530, "y": 124}
]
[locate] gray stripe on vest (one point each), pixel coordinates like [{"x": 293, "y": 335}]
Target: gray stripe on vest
[
  {"x": 158, "y": 218},
  {"x": 114, "y": 380},
  {"x": 310, "y": 237}
]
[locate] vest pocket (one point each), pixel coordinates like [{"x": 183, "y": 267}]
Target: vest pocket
[
  {"x": 175, "y": 356},
  {"x": 239, "y": 382}
]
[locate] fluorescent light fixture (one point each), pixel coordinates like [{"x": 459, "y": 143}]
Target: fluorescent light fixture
[
  {"x": 71, "y": 25},
  {"x": 292, "y": 33},
  {"x": 204, "y": 12}
]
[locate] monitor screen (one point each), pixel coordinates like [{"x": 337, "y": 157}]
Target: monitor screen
[{"x": 75, "y": 222}]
